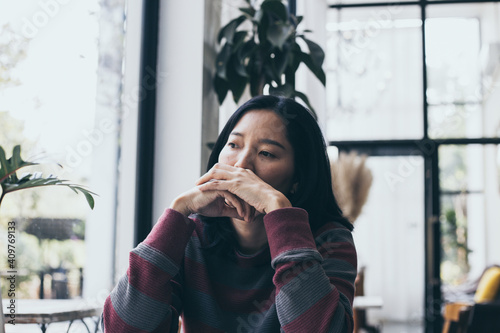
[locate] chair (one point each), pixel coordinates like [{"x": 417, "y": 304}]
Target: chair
[
  {"x": 456, "y": 317},
  {"x": 359, "y": 315},
  {"x": 482, "y": 315}
]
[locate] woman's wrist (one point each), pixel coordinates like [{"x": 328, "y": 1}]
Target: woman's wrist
[
  {"x": 179, "y": 206},
  {"x": 280, "y": 201}
]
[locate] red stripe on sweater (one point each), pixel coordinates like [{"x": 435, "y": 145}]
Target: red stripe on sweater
[
  {"x": 113, "y": 323},
  {"x": 201, "y": 280},
  {"x": 170, "y": 234},
  {"x": 341, "y": 251},
  {"x": 344, "y": 287},
  {"x": 139, "y": 276},
  {"x": 286, "y": 272}
]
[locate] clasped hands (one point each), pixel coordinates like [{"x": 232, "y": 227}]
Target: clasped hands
[{"x": 230, "y": 191}]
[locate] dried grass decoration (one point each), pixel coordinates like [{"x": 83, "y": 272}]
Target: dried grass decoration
[{"x": 351, "y": 183}]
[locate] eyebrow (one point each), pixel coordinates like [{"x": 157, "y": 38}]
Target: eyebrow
[{"x": 268, "y": 141}]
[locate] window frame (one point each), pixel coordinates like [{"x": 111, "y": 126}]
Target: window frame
[{"x": 428, "y": 148}]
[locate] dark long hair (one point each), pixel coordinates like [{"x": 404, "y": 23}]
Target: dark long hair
[{"x": 312, "y": 167}]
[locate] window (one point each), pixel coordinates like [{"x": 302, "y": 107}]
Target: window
[
  {"x": 415, "y": 83},
  {"x": 60, "y": 93}
]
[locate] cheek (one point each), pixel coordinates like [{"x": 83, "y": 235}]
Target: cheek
[
  {"x": 224, "y": 156},
  {"x": 278, "y": 176}
]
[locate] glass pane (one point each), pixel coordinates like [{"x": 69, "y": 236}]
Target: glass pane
[
  {"x": 452, "y": 59},
  {"x": 469, "y": 215},
  {"x": 455, "y": 120},
  {"x": 374, "y": 73},
  {"x": 56, "y": 102},
  {"x": 463, "y": 48},
  {"x": 389, "y": 236}
]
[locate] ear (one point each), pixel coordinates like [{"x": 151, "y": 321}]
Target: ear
[{"x": 294, "y": 188}]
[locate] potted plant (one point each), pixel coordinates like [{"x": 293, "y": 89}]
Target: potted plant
[
  {"x": 10, "y": 182},
  {"x": 261, "y": 49}
]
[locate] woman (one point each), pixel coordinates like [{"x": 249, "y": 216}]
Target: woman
[{"x": 258, "y": 245}]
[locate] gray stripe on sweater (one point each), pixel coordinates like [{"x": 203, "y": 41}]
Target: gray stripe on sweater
[
  {"x": 205, "y": 309},
  {"x": 301, "y": 293},
  {"x": 339, "y": 269},
  {"x": 334, "y": 236},
  {"x": 193, "y": 250},
  {"x": 156, "y": 258},
  {"x": 296, "y": 255},
  {"x": 137, "y": 309}
]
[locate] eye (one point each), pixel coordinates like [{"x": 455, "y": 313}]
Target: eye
[
  {"x": 267, "y": 154},
  {"x": 231, "y": 144}
]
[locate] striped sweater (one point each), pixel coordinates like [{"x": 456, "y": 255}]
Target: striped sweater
[{"x": 299, "y": 283}]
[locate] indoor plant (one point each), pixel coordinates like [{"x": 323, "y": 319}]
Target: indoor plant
[
  {"x": 10, "y": 182},
  {"x": 264, "y": 52}
]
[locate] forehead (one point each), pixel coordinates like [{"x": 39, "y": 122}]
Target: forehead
[{"x": 264, "y": 123}]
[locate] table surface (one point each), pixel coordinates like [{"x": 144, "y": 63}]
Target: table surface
[
  {"x": 44, "y": 311},
  {"x": 368, "y": 302}
]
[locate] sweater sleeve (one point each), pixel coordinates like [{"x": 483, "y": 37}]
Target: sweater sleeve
[
  {"x": 147, "y": 297},
  {"x": 314, "y": 278}
]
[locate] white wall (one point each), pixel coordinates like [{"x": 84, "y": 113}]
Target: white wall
[
  {"x": 314, "y": 13},
  {"x": 179, "y": 100},
  {"x": 124, "y": 232}
]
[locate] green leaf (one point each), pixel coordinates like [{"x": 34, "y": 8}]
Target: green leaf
[
  {"x": 316, "y": 70},
  {"x": 247, "y": 49},
  {"x": 250, "y": 11},
  {"x": 8, "y": 167},
  {"x": 221, "y": 87},
  {"x": 298, "y": 19},
  {"x": 237, "y": 83},
  {"x": 222, "y": 60},
  {"x": 239, "y": 39},
  {"x": 32, "y": 182},
  {"x": 316, "y": 52},
  {"x": 229, "y": 29},
  {"x": 276, "y": 8},
  {"x": 3, "y": 165},
  {"x": 239, "y": 66},
  {"x": 281, "y": 60},
  {"x": 278, "y": 33},
  {"x": 304, "y": 98},
  {"x": 88, "y": 196},
  {"x": 10, "y": 182},
  {"x": 256, "y": 76}
]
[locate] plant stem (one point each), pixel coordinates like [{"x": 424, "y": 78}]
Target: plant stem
[{"x": 1, "y": 197}]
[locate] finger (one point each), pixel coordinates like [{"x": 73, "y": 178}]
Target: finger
[
  {"x": 250, "y": 212},
  {"x": 215, "y": 185},
  {"x": 235, "y": 202},
  {"x": 218, "y": 171}
]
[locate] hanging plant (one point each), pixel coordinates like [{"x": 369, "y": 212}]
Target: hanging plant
[{"x": 265, "y": 54}]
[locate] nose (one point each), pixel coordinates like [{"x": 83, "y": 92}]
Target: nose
[{"x": 245, "y": 160}]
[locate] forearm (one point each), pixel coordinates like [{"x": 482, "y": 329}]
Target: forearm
[
  {"x": 143, "y": 299},
  {"x": 313, "y": 284}
]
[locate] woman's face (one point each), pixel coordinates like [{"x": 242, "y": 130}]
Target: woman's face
[{"x": 258, "y": 142}]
